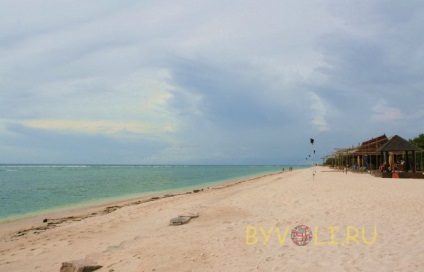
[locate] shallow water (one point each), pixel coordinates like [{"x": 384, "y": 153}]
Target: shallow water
[{"x": 31, "y": 189}]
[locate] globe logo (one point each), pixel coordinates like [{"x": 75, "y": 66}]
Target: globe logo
[{"x": 301, "y": 235}]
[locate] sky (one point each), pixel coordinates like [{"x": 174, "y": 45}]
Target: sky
[{"x": 206, "y": 82}]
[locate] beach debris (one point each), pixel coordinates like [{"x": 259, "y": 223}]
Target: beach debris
[
  {"x": 111, "y": 209},
  {"x": 168, "y": 195},
  {"x": 35, "y": 230},
  {"x": 82, "y": 265},
  {"x": 182, "y": 219},
  {"x": 49, "y": 223}
]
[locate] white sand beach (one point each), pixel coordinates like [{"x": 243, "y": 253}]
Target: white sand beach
[{"x": 359, "y": 223}]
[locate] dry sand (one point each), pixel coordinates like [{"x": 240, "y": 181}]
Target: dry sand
[{"x": 138, "y": 237}]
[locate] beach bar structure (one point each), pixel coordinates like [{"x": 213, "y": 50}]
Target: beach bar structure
[
  {"x": 342, "y": 157},
  {"x": 382, "y": 156},
  {"x": 362, "y": 157},
  {"x": 398, "y": 147},
  {"x": 368, "y": 155}
]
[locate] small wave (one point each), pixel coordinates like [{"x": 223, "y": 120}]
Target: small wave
[{"x": 45, "y": 166}]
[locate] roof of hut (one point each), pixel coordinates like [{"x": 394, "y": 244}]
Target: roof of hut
[
  {"x": 371, "y": 147},
  {"x": 397, "y": 143}
]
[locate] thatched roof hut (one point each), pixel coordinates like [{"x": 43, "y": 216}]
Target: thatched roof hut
[{"x": 398, "y": 145}]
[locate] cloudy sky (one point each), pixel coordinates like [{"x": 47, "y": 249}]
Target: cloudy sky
[{"x": 205, "y": 82}]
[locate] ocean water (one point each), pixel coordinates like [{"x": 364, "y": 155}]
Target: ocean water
[{"x": 32, "y": 189}]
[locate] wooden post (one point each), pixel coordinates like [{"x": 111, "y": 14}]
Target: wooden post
[
  {"x": 382, "y": 160},
  {"x": 406, "y": 162},
  {"x": 387, "y": 161},
  {"x": 414, "y": 166}
]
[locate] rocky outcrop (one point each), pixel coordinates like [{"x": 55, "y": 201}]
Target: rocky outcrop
[{"x": 79, "y": 266}]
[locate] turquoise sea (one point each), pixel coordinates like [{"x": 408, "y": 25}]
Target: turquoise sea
[{"x": 32, "y": 189}]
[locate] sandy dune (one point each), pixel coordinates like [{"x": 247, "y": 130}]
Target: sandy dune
[{"x": 359, "y": 223}]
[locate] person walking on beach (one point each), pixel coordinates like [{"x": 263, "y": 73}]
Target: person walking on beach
[{"x": 347, "y": 166}]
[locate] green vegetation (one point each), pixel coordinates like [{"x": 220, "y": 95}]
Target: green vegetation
[{"x": 419, "y": 141}]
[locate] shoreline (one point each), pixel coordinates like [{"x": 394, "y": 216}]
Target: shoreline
[
  {"x": 22, "y": 225},
  {"x": 99, "y": 199},
  {"x": 359, "y": 223}
]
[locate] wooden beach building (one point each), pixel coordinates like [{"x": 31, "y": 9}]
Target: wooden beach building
[
  {"x": 368, "y": 155},
  {"x": 381, "y": 156},
  {"x": 396, "y": 157},
  {"x": 363, "y": 157}
]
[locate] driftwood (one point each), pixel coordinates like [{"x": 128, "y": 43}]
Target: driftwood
[
  {"x": 182, "y": 219},
  {"x": 79, "y": 266}
]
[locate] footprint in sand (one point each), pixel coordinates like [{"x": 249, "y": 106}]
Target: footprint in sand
[{"x": 269, "y": 259}]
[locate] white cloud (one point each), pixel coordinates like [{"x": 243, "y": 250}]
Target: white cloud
[
  {"x": 211, "y": 84},
  {"x": 385, "y": 113},
  {"x": 319, "y": 111},
  {"x": 118, "y": 128}
]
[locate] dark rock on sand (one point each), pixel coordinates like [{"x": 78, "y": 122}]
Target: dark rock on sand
[{"x": 79, "y": 266}]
